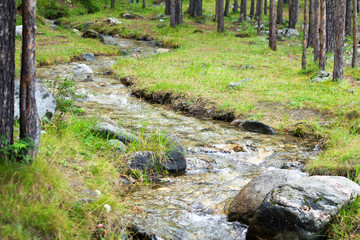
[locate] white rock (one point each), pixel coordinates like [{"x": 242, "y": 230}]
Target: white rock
[
  {"x": 162, "y": 50},
  {"x": 83, "y": 73},
  {"x": 19, "y": 30}
]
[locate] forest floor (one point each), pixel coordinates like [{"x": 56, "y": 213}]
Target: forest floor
[{"x": 199, "y": 68}]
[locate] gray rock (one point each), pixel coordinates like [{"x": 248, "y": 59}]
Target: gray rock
[
  {"x": 288, "y": 32},
  {"x": 45, "y": 102},
  {"x": 106, "y": 119},
  {"x": 322, "y": 76},
  {"x": 258, "y": 127},
  {"x": 110, "y": 131},
  {"x": 93, "y": 34},
  {"x": 76, "y": 31},
  {"x": 147, "y": 161},
  {"x": 117, "y": 145},
  {"x": 83, "y": 73},
  {"x": 302, "y": 209},
  {"x": 174, "y": 160},
  {"x": 162, "y": 50},
  {"x": 19, "y": 30},
  {"x": 113, "y": 21},
  {"x": 239, "y": 83},
  {"x": 248, "y": 200},
  {"x": 129, "y": 16},
  {"x": 88, "y": 57},
  {"x": 160, "y": 16}
]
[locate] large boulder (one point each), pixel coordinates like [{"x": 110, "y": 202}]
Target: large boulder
[
  {"x": 248, "y": 200},
  {"x": 288, "y": 32},
  {"x": 258, "y": 127},
  {"x": 93, "y": 34},
  {"x": 45, "y": 102},
  {"x": 117, "y": 145},
  {"x": 322, "y": 76},
  {"x": 301, "y": 209},
  {"x": 88, "y": 57},
  {"x": 110, "y": 131},
  {"x": 147, "y": 161},
  {"x": 83, "y": 73},
  {"x": 174, "y": 160}
]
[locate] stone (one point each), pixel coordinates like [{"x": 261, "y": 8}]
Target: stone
[
  {"x": 117, "y": 145},
  {"x": 129, "y": 16},
  {"x": 162, "y": 50},
  {"x": 236, "y": 122},
  {"x": 19, "y": 30},
  {"x": 113, "y": 21},
  {"x": 288, "y": 32},
  {"x": 239, "y": 83},
  {"x": 302, "y": 209},
  {"x": 258, "y": 127},
  {"x": 45, "y": 101},
  {"x": 83, "y": 73},
  {"x": 147, "y": 161},
  {"x": 76, "y": 31},
  {"x": 174, "y": 160},
  {"x": 322, "y": 76},
  {"x": 248, "y": 200},
  {"x": 160, "y": 16},
  {"x": 88, "y": 57},
  {"x": 93, "y": 34},
  {"x": 110, "y": 131}
]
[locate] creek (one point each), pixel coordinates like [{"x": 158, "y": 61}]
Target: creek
[{"x": 221, "y": 159}]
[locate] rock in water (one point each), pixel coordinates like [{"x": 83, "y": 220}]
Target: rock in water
[
  {"x": 110, "y": 131},
  {"x": 45, "y": 101},
  {"x": 83, "y": 73},
  {"x": 174, "y": 160},
  {"x": 88, "y": 57},
  {"x": 258, "y": 127},
  {"x": 93, "y": 34},
  {"x": 301, "y": 209},
  {"x": 245, "y": 204},
  {"x": 147, "y": 161}
]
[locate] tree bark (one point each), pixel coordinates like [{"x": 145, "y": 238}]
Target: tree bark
[
  {"x": 260, "y": 17},
  {"x": 243, "y": 11},
  {"x": 265, "y": 7},
  {"x": 29, "y": 118},
  {"x": 258, "y": 11},
  {"x": 220, "y": 15},
  {"x": 355, "y": 30},
  {"x": 112, "y": 3},
  {"x": 348, "y": 18},
  {"x": 252, "y": 9},
  {"x": 7, "y": 71},
  {"x": 195, "y": 8},
  {"x": 227, "y": 6},
  {"x": 293, "y": 15},
  {"x": 331, "y": 6},
  {"x": 167, "y": 7},
  {"x": 178, "y": 12},
  {"x": 304, "y": 45},
  {"x": 272, "y": 26},
  {"x": 322, "y": 62},
  {"x": 316, "y": 31},
  {"x": 172, "y": 13},
  {"x": 339, "y": 43},
  {"x": 279, "y": 12},
  {"x": 144, "y": 4},
  {"x": 236, "y": 6},
  {"x": 311, "y": 35}
]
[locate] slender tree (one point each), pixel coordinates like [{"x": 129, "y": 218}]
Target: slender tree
[
  {"x": 304, "y": 45},
  {"x": 195, "y": 8},
  {"x": 258, "y": 11},
  {"x": 260, "y": 17},
  {"x": 236, "y": 6},
  {"x": 316, "y": 32},
  {"x": 144, "y": 3},
  {"x": 348, "y": 18},
  {"x": 220, "y": 15},
  {"x": 322, "y": 62},
  {"x": 252, "y": 9},
  {"x": 279, "y": 12},
  {"x": 311, "y": 34},
  {"x": 355, "y": 30},
  {"x": 293, "y": 13},
  {"x": 178, "y": 12},
  {"x": 7, "y": 71},
  {"x": 331, "y": 6},
  {"x": 265, "y": 7},
  {"x": 172, "y": 13},
  {"x": 112, "y": 3},
  {"x": 227, "y": 6},
  {"x": 339, "y": 43},
  {"x": 29, "y": 118},
  {"x": 272, "y": 26},
  {"x": 242, "y": 11},
  {"x": 167, "y": 7}
]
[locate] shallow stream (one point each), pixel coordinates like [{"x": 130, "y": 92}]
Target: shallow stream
[{"x": 221, "y": 159}]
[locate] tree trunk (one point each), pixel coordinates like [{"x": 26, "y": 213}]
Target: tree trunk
[
  {"x": 293, "y": 15},
  {"x": 178, "y": 12},
  {"x": 243, "y": 11},
  {"x": 260, "y": 17},
  {"x": 167, "y": 7},
  {"x": 339, "y": 43},
  {"x": 316, "y": 32},
  {"x": 144, "y": 4},
  {"x": 265, "y": 7},
  {"x": 304, "y": 45},
  {"x": 258, "y": 11},
  {"x": 236, "y": 6},
  {"x": 279, "y": 14},
  {"x": 172, "y": 13},
  {"x": 355, "y": 30},
  {"x": 220, "y": 15},
  {"x": 7, "y": 71},
  {"x": 227, "y": 6},
  {"x": 195, "y": 8},
  {"x": 348, "y": 18},
  {"x": 322, "y": 62},
  {"x": 29, "y": 118},
  {"x": 331, "y": 6},
  {"x": 252, "y": 9},
  {"x": 112, "y": 3},
  {"x": 272, "y": 26},
  {"x": 311, "y": 35}
]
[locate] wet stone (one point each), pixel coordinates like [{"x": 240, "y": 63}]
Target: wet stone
[
  {"x": 258, "y": 127},
  {"x": 88, "y": 57}
]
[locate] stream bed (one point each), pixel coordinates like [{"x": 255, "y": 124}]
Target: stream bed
[{"x": 221, "y": 159}]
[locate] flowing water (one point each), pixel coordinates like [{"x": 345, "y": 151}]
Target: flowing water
[{"x": 221, "y": 159}]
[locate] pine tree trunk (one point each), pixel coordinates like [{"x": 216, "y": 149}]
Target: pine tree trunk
[
  {"x": 265, "y": 7},
  {"x": 29, "y": 118},
  {"x": 236, "y": 6},
  {"x": 293, "y": 15},
  {"x": 112, "y": 3},
  {"x": 348, "y": 18},
  {"x": 316, "y": 32},
  {"x": 220, "y": 15},
  {"x": 339, "y": 43},
  {"x": 242, "y": 11},
  {"x": 304, "y": 45},
  {"x": 331, "y": 6},
  {"x": 272, "y": 26},
  {"x": 311, "y": 35},
  {"x": 144, "y": 4},
  {"x": 178, "y": 12},
  {"x": 322, "y": 62},
  {"x": 258, "y": 11},
  {"x": 167, "y": 7},
  {"x": 172, "y": 13},
  {"x": 7, "y": 71},
  {"x": 355, "y": 30},
  {"x": 279, "y": 12},
  {"x": 195, "y": 8},
  {"x": 260, "y": 17},
  {"x": 252, "y": 9},
  {"x": 227, "y": 6}
]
